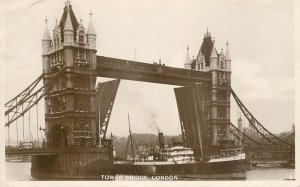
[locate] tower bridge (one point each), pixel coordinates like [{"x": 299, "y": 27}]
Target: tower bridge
[{"x": 77, "y": 112}]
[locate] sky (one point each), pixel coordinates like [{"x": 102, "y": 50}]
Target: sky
[{"x": 261, "y": 36}]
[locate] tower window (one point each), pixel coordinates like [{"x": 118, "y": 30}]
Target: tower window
[
  {"x": 221, "y": 96},
  {"x": 221, "y": 133},
  {"x": 224, "y": 75},
  {"x": 59, "y": 54},
  {"x": 81, "y": 54},
  {"x": 80, "y": 38},
  {"x": 77, "y": 53},
  {"x": 221, "y": 114},
  {"x": 88, "y": 55}
]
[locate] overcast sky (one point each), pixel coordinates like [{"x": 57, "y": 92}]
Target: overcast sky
[{"x": 261, "y": 42}]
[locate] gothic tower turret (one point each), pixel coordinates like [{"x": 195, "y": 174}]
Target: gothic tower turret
[
  {"x": 91, "y": 34},
  {"x": 46, "y": 45},
  {"x": 240, "y": 127},
  {"x": 70, "y": 112},
  {"x": 214, "y": 74},
  {"x": 68, "y": 28},
  {"x": 69, "y": 73},
  {"x": 188, "y": 62},
  {"x": 227, "y": 58},
  {"x": 200, "y": 62},
  {"x": 220, "y": 98},
  {"x": 240, "y": 124}
]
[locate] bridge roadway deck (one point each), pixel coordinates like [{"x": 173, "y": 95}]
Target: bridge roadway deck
[
  {"x": 12, "y": 151},
  {"x": 155, "y": 73},
  {"x": 29, "y": 152}
]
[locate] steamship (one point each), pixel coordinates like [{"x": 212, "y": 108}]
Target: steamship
[{"x": 180, "y": 161}]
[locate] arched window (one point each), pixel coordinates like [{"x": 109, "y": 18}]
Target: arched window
[
  {"x": 81, "y": 39},
  {"x": 82, "y": 124},
  {"x": 81, "y": 54},
  {"x": 57, "y": 42}
]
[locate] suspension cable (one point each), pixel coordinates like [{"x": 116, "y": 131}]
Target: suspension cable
[
  {"x": 244, "y": 126},
  {"x": 37, "y": 124},
  {"x": 8, "y": 135},
  {"x": 29, "y": 99},
  {"x": 237, "y": 111},
  {"x": 23, "y": 123},
  {"x": 17, "y": 133},
  {"x": 267, "y": 135},
  {"x": 29, "y": 129}
]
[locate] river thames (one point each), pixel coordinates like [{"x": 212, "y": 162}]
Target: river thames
[{"x": 20, "y": 171}]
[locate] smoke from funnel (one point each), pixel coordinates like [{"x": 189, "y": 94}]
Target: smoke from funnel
[{"x": 150, "y": 121}]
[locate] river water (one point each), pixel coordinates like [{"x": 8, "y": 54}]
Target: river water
[{"x": 20, "y": 171}]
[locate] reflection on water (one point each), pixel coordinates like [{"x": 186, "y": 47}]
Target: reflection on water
[
  {"x": 270, "y": 172},
  {"x": 20, "y": 171}
]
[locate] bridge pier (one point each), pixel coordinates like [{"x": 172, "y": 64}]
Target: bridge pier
[{"x": 75, "y": 163}]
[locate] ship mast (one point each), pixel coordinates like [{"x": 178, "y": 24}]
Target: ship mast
[
  {"x": 133, "y": 155},
  {"x": 99, "y": 126}
]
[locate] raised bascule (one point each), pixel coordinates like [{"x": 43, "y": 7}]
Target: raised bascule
[{"x": 77, "y": 112}]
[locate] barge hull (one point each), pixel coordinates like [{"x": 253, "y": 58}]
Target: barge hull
[{"x": 199, "y": 170}]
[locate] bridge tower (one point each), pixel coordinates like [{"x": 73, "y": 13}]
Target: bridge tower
[
  {"x": 70, "y": 111},
  {"x": 220, "y": 68},
  {"x": 217, "y": 110},
  {"x": 188, "y": 62}
]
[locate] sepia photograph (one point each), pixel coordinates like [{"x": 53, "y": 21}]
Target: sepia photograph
[{"x": 148, "y": 92}]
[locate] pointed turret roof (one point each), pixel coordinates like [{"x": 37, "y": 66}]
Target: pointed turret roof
[
  {"x": 68, "y": 24},
  {"x": 46, "y": 34},
  {"x": 214, "y": 53},
  {"x": 56, "y": 25},
  {"x": 199, "y": 55},
  {"x": 206, "y": 48},
  {"x": 80, "y": 26},
  {"x": 187, "y": 58},
  {"x": 227, "y": 56},
  {"x": 68, "y": 11},
  {"x": 91, "y": 29}
]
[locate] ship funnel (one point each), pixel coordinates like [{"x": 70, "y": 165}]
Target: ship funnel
[{"x": 161, "y": 140}]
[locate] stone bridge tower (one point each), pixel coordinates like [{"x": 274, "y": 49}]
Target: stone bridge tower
[
  {"x": 216, "y": 107},
  {"x": 220, "y": 95},
  {"x": 70, "y": 111}
]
